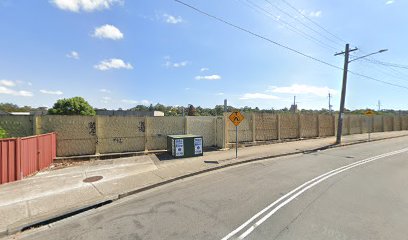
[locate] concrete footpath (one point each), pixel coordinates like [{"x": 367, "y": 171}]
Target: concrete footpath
[{"x": 53, "y": 194}]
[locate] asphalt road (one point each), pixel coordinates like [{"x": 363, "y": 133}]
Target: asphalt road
[{"x": 367, "y": 200}]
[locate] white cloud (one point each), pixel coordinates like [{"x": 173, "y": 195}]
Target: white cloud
[
  {"x": 250, "y": 96},
  {"x": 129, "y": 101},
  {"x": 177, "y": 64},
  {"x": 73, "y": 54},
  {"x": 58, "y": 92},
  {"x": 220, "y": 94},
  {"x": 389, "y": 2},
  {"x": 317, "y": 13},
  {"x": 204, "y": 69},
  {"x": 209, "y": 77},
  {"x": 113, "y": 63},
  {"x": 85, "y": 5},
  {"x": 6, "y": 88},
  {"x": 172, "y": 19},
  {"x": 104, "y": 90},
  {"x": 7, "y": 83},
  {"x": 22, "y": 93},
  {"x": 106, "y": 98},
  {"x": 303, "y": 89},
  {"x": 145, "y": 102},
  {"x": 108, "y": 31}
]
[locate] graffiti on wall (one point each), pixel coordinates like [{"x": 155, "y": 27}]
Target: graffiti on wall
[
  {"x": 142, "y": 126},
  {"x": 92, "y": 128}
]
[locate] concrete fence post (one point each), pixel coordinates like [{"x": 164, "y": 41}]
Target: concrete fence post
[
  {"x": 215, "y": 130},
  {"x": 383, "y": 123},
  {"x": 226, "y": 133},
  {"x": 400, "y": 119},
  {"x": 253, "y": 127},
  {"x": 318, "y": 125},
  {"x": 349, "y": 124},
  {"x": 37, "y": 126},
  {"x": 185, "y": 125},
  {"x": 361, "y": 124},
  {"x": 393, "y": 123},
  {"x": 97, "y": 133},
  {"x": 299, "y": 133},
  {"x": 278, "y": 128},
  {"x": 146, "y": 128}
]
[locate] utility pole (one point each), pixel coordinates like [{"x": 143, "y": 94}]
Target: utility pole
[
  {"x": 330, "y": 106},
  {"x": 293, "y": 108},
  {"x": 343, "y": 90},
  {"x": 379, "y": 105}
]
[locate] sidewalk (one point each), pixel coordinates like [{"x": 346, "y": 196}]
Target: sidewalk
[{"x": 54, "y": 193}]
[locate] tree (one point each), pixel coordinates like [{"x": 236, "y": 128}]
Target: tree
[
  {"x": 140, "y": 108},
  {"x": 72, "y": 106},
  {"x": 3, "y": 133},
  {"x": 10, "y": 107},
  {"x": 191, "y": 111},
  {"x": 159, "y": 107}
]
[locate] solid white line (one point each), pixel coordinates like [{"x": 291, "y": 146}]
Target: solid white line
[{"x": 304, "y": 188}]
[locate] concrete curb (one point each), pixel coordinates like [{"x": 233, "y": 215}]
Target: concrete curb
[
  {"x": 61, "y": 214},
  {"x": 55, "y": 216}
]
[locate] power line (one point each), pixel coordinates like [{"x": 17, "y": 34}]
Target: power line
[
  {"x": 284, "y": 46},
  {"x": 315, "y": 23},
  {"x": 377, "y": 80},
  {"x": 372, "y": 60},
  {"x": 285, "y": 23},
  {"x": 388, "y": 71},
  {"x": 303, "y": 24},
  {"x": 257, "y": 35}
]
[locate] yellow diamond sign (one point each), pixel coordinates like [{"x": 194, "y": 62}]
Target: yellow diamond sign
[
  {"x": 369, "y": 113},
  {"x": 236, "y": 118}
]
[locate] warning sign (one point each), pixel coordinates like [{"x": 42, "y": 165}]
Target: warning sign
[
  {"x": 198, "y": 146},
  {"x": 369, "y": 113},
  {"x": 179, "y": 147},
  {"x": 236, "y": 118}
]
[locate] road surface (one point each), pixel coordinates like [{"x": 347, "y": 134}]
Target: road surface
[{"x": 365, "y": 198}]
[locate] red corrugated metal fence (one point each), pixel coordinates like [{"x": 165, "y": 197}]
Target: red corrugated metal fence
[{"x": 20, "y": 157}]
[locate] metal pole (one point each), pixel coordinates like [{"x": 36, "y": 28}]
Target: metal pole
[
  {"x": 236, "y": 141},
  {"x": 343, "y": 95}
]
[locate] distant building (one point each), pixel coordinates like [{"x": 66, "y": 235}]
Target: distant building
[
  {"x": 103, "y": 112},
  {"x": 293, "y": 108},
  {"x": 20, "y": 113}
]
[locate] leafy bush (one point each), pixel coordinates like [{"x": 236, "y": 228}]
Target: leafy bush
[
  {"x": 72, "y": 106},
  {"x": 3, "y": 133}
]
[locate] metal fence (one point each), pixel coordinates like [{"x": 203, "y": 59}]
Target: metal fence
[{"x": 21, "y": 157}]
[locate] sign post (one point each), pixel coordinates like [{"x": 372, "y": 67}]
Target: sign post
[
  {"x": 370, "y": 114},
  {"x": 236, "y": 118}
]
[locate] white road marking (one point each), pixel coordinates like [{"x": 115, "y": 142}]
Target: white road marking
[{"x": 298, "y": 191}]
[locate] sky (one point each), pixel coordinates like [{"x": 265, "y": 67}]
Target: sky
[{"x": 121, "y": 53}]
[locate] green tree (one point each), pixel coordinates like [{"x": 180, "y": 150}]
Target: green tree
[
  {"x": 72, "y": 106},
  {"x": 140, "y": 108},
  {"x": 10, "y": 107},
  {"x": 3, "y": 133},
  {"x": 191, "y": 111}
]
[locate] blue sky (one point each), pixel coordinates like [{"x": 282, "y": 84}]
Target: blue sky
[{"x": 120, "y": 53}]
